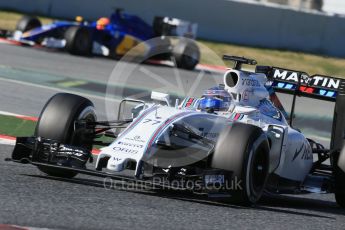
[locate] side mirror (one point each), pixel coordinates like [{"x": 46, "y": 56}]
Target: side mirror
[{"x": 157, "y": 96}]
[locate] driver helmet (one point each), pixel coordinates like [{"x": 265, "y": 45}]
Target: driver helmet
[
  {"x": 102, "y": 23},
  {"x": 215, "y": 99}
]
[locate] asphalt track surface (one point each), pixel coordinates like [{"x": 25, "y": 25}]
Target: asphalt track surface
[{"x": 29, "y": 198}]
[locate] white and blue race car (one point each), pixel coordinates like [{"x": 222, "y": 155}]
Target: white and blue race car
[{"x": 234, "y": 142}]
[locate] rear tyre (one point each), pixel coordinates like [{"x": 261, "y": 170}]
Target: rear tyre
[
  {"x": 243, "y": 150},
  {"x": 186, "y": 54},
  {"x": 340, "y": 192},
  {"x": 27, "y": 23},
  {"x": 79, "y": 41},
  {"x": 160, "y": 48},
  {"x": 339, "y": 176},
  {"x": 57, "y": 121}
]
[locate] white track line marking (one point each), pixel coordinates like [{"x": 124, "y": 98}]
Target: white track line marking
[
  {"x": 19, "y": 116},
  {"x": 6, "y": 140},
  {"x": 12, "y": 114},
  {"x": 59, "y": 89}
]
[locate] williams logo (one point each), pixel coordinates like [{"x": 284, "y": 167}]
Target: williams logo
[
  {"x": 130, "y": 144},
  {"x": 135, "y": 139}
]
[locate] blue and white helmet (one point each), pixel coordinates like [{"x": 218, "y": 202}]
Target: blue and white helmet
[{"x": 216, "y": 99}]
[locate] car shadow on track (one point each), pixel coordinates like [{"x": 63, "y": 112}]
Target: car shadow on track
[
  {"x": 300, "y": 203},
  {"x": 275, "y": 203}
]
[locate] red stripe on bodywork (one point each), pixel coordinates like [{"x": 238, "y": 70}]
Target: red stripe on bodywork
[
  {"x": 95, "y": 151},
  {"x": 237, "y": 116},
  {"x": 306, "y": 89},
  {"x": 189, "y": 102}
]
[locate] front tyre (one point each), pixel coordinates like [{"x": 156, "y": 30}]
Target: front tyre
[
  {"x": 243, "y": 150},
  {"x": 57, "y": 122}
]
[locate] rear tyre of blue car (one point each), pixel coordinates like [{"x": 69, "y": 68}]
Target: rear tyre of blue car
[
  {"x": 27, "y": 23},
  {"x": 243, "y": 150},
  {"x": 79, "y": 41},
  {"x": 57, "y": 122},
  {"x": 186, "y": 54}
]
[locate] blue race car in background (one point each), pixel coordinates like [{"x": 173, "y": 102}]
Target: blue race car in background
[{"x": 115, "y": 36}]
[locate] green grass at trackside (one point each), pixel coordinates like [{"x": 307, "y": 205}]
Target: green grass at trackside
[
  {"x": 312, "y": 64},
  {"x": 13, "y": 126}
]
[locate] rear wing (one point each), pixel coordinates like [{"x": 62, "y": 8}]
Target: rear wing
[
  {"x": 165, "y": 26},
  {"x": 318, "y": 87},
  {"x": 290, "y": 81}
]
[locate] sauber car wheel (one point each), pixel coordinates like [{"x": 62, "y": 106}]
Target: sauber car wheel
[
  {"x": 243, "y": 150},
  {"x": 79, "y": 41},
  {"x": 27, "y": 23},
  {"x": 161, "y": 48},
  {"x": 57, "y": 122},
  {"x": 186, "y": 54}
]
